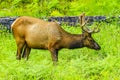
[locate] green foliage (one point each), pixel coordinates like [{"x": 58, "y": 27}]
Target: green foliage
[
  {"x": 42, "y": 8},
  {"x": 77, "y": 64}
]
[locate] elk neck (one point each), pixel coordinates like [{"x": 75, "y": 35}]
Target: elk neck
[{"x": 73, "y": 41}]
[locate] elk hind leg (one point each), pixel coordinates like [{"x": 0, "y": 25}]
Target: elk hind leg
[
  {"x": 24, "y": 55},
  {"x": 26, "y": 52},
  {"x": 20, "y": 45}
]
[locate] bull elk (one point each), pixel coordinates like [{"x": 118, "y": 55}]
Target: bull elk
[{"x": 34, "y": 33}]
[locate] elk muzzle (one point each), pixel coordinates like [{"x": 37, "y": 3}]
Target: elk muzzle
[{"x": 96, "y": 46}]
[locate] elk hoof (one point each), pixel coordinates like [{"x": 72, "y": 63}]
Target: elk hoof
[
  {"x": 55, "y": 63},
  {"x": 18, "y": 58}
]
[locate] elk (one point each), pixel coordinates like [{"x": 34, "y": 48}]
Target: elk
[{"x": 35, "y": 33}]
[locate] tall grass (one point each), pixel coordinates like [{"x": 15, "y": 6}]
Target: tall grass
[{"x": 77, "y": 64}]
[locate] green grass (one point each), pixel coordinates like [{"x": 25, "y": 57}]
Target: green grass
[{"x": 77, "y": 64}]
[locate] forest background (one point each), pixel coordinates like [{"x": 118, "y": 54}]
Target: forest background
[{"x": 46, "y": 8}]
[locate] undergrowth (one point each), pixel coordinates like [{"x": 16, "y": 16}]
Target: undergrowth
[{"x": 77, "y": 64}]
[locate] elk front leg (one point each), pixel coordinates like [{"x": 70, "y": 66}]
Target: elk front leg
[{"x": 54, "y": 55}]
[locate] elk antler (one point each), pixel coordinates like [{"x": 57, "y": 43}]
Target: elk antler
[
  {"x": 83, "y": 22},
  {"x": 95, "y": 30}
]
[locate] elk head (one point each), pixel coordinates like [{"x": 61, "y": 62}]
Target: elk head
[{"x": 88, "y": 41}]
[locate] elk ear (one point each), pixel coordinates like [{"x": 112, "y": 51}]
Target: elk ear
[{"x": 86, "y": 34}]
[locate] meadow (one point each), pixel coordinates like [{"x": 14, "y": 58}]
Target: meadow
[{"x": 77, "y": 64}]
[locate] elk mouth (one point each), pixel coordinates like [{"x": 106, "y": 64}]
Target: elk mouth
[{"x": 97, "y": 47}]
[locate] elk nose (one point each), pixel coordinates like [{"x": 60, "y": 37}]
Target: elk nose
[{"x": 97, "y": 47}]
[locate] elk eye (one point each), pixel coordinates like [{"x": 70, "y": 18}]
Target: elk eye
[{"x": 91, "y": 40}]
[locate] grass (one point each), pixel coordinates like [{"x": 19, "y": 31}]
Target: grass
[{"x": 77, "y": 64}]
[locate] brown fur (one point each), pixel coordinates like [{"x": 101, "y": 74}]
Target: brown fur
[{"x": 34, "y": 33}]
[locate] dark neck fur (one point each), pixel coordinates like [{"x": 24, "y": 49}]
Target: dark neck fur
[
  {"x": 74, "y": 41},
  {"x": 75, "y": 44}
]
